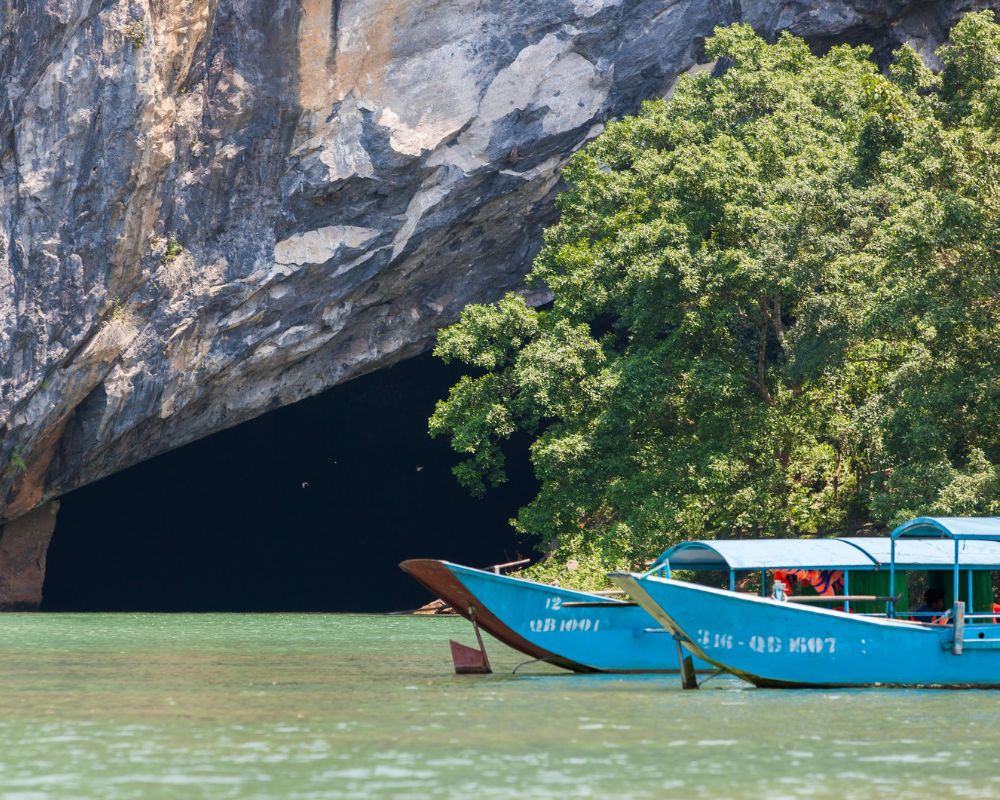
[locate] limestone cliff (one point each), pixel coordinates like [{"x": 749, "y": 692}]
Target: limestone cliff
[{"x": 210, "y": 208}]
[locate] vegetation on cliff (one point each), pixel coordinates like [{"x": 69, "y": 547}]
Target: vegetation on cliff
[{"x": 776, "y": 309}]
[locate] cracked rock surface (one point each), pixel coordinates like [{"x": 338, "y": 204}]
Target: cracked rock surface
[{"x": 211, "y": 208}]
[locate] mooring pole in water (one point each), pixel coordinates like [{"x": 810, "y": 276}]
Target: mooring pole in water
[{"x": 689, "y": 680}]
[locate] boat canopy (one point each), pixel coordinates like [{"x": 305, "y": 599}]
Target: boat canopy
[
  {"x": 949, "y": 528},
  {"x": 751, "y": 554},
  {"x": 858, "y": 553},
  {"x": 930, "y": 553}
]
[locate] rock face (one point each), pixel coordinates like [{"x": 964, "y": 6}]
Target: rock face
[
  {"x": 24, "y": 544},
  {"x": 210, "y": 208}
]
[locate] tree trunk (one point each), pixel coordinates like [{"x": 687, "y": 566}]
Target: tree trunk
[{"x": 762, "y": 352}]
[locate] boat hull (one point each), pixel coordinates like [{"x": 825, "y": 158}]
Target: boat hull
[
  {"x": 603, "y": 635},
  {"x": 770, "y": 643}
]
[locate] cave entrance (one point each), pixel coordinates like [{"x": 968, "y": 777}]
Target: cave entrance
[{"x": 307, "y": 508}]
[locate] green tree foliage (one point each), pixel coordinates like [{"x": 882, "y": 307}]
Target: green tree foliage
[{"x": 776, "y": 308}]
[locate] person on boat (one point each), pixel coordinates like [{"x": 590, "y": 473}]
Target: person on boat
[
  {"x": 787, "y": 577},
  {"x": 785, "y": 583},
  {"x": 822, "y": 581},
  {"x": 933, "y": 604}
]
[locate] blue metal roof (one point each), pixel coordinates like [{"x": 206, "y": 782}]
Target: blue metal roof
[
  {"x": 929, "y": 553},
  {"x": 949, "y": 528},
  {"x": 864, "y": 553},
  {"x": 747, "y": 554}
]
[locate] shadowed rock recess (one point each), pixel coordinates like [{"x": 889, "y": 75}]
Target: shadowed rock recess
[{"x": 212, "y": 208}]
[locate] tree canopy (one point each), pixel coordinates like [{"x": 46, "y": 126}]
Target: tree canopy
[{"x": 776, "y": 308}]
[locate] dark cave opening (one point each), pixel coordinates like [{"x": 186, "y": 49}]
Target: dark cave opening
[{"x": 307, "y": 508}]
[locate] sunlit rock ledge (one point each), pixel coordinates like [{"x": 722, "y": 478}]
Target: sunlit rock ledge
[{"x": 211, "y": 209}]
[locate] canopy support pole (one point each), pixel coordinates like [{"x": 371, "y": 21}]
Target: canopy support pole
[
  {"x": 847, "y": 590},
  {"x": 892, "y": 575},
  {"x": 955, "y": 591}
]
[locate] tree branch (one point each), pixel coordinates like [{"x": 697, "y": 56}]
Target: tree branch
[{"x": 765, "y": 319}]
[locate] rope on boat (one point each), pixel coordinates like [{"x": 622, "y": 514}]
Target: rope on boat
[
  {"x": 531, "y": 661},
  {"x": 715, "y": 673}
]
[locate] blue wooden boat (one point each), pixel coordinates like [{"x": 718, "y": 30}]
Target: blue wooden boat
[
  {"x": 592, "y": 633},
  {"x": 575, "y": 630},
  {"x": 781, "y": 644}
]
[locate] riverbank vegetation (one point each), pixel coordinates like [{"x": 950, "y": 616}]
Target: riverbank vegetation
[{"x": 776, "y": 310}]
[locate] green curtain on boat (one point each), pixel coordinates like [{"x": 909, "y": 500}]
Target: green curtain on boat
[
  {"x": 874, "y": 583},
  {"x": 982, "y": 588},
  {"x": 877, "y": 583}
]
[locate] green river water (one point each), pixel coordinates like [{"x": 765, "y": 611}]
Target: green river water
[{"x": 120, "y": 706}]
